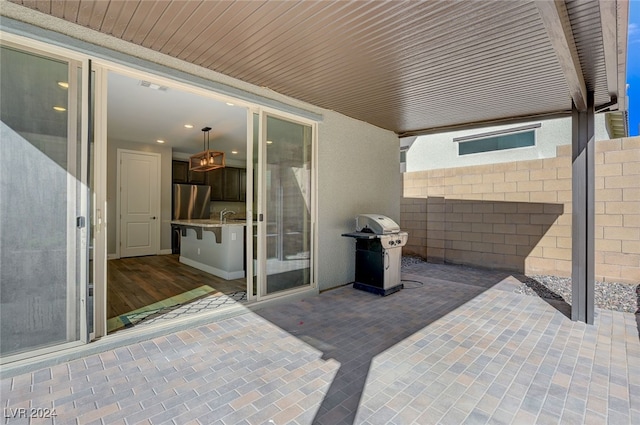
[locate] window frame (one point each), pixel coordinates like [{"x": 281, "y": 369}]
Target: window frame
[{"x": 506, "y": 132}]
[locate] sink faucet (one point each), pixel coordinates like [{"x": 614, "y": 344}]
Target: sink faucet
[{"x": 223, "y": 215}]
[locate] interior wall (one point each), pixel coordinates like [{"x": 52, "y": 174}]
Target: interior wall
[
  {"x": 358, "y": 173},
  {"x": 240, "y": 209},
  {"x": 165, "y": 190}
]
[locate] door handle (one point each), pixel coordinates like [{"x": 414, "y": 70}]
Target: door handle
[{"x": 153, "y": 218}]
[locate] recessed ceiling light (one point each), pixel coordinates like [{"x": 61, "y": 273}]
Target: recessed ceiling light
[
  {"x": 160, "y": 141},
  {"x": 234, "y": 152},
  {"x": 188, "y": 126},
  {"x": 63, "y": 84},
  {"x": 59, "y": 108},
  {"x": 269, "y": 142},
  {"x": 229, "y": 103}
]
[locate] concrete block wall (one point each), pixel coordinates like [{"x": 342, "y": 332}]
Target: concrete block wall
[
  {"x": 618, "y": 210},
  {"x": 517, "y": 215}
]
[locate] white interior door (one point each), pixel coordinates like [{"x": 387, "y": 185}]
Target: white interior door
[{"x": 139, "y": 178}]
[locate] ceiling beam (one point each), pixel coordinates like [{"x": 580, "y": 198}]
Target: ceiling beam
[
  {"x": 488, "y": 123},
  {"x": 622, "y": 34},
  {"x": 556, "y": 21},
  {"x": 608, "y": 24}
]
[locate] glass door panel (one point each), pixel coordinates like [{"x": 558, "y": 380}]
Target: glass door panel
[
  {"x": 287, "y": 205},
  {"x": 40, "y": 167}
]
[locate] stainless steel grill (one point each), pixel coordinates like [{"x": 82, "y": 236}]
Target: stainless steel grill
[{"x": 379, "y": 243}]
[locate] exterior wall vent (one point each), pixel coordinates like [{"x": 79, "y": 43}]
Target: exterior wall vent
[{"x": 153, "y": 86}]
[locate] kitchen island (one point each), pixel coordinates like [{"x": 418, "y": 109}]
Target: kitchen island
[{"x": 213, "y": 246}]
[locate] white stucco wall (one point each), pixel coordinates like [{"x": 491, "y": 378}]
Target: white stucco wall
[
  {"x": 440, "y": 151},
  {"x": 358, "y": 173},
  {"x": 357, "y": 163}
]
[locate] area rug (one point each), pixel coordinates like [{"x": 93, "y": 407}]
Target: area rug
[{"x": 195, "y": 301}]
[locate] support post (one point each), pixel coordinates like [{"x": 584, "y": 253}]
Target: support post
[{"x": 583, "y": 213}]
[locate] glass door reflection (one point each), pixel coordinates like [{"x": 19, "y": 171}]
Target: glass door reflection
[
  {"x": 287, "y": 205},
  {"x": 43, "y": 167}
]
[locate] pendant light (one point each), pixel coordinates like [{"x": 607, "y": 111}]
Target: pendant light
[{"x": 208, "y": 159}]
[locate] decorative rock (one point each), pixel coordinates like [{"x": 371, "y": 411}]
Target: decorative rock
[{"x": 608, "y": 295}]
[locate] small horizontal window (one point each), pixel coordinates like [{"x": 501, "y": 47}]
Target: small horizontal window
[{"x": 498, "y": 143}]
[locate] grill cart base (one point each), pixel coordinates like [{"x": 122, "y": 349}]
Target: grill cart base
[{"x": 377, "y": 290}]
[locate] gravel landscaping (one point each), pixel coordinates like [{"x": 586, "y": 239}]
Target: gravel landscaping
[{"x": 609, "y": 295}]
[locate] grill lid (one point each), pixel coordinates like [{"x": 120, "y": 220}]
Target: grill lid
[{"x": 376, "y": 223}]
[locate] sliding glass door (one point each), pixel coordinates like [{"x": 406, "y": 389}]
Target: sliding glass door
[
  {"x": 43, "y": 203},
  {"x": 284, "y": 219}
]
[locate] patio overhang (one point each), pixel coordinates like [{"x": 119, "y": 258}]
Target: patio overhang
[{"x": 413, "y": 67}]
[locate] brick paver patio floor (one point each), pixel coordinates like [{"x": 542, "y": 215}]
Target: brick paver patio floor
[{"x": 461, "y": 348}]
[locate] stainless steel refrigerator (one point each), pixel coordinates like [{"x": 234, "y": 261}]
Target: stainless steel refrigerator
[{"x": 189, "y": 202}]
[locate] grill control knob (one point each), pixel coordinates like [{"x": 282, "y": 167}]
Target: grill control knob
[
  {"x": 398, "y": 241},
  {"x": 392, "y": 243}
]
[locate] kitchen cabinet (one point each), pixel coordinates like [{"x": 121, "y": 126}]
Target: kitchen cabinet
[
  {"x": 213, "y": 247},
  {"x": 197, "y": 177},
  {"x": 215, "y": 179},
  {"x": 180, "y": 173},
  {"x": 243, "y": 184},
  {"x": 228, "y": 184},
  {"x": 231, "y": 188}
]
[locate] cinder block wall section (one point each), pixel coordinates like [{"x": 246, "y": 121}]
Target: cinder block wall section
[{"x": 517, "y": 215}]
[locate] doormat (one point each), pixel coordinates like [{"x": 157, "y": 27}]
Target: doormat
[{"x": 191, "y": 302}]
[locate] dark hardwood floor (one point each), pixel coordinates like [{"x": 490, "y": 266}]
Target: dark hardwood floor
[{"x": 136, "y": 282}]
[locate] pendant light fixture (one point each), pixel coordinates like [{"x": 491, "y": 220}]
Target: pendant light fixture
[{"x": 208, "y": 159}]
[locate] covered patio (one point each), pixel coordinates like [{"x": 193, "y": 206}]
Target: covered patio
[
  {"x": 457, "y": 345},
  {"x": 410, "y": 67}
]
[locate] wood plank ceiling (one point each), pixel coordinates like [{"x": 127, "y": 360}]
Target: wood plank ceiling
[{"x": 407, "y": 66}]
